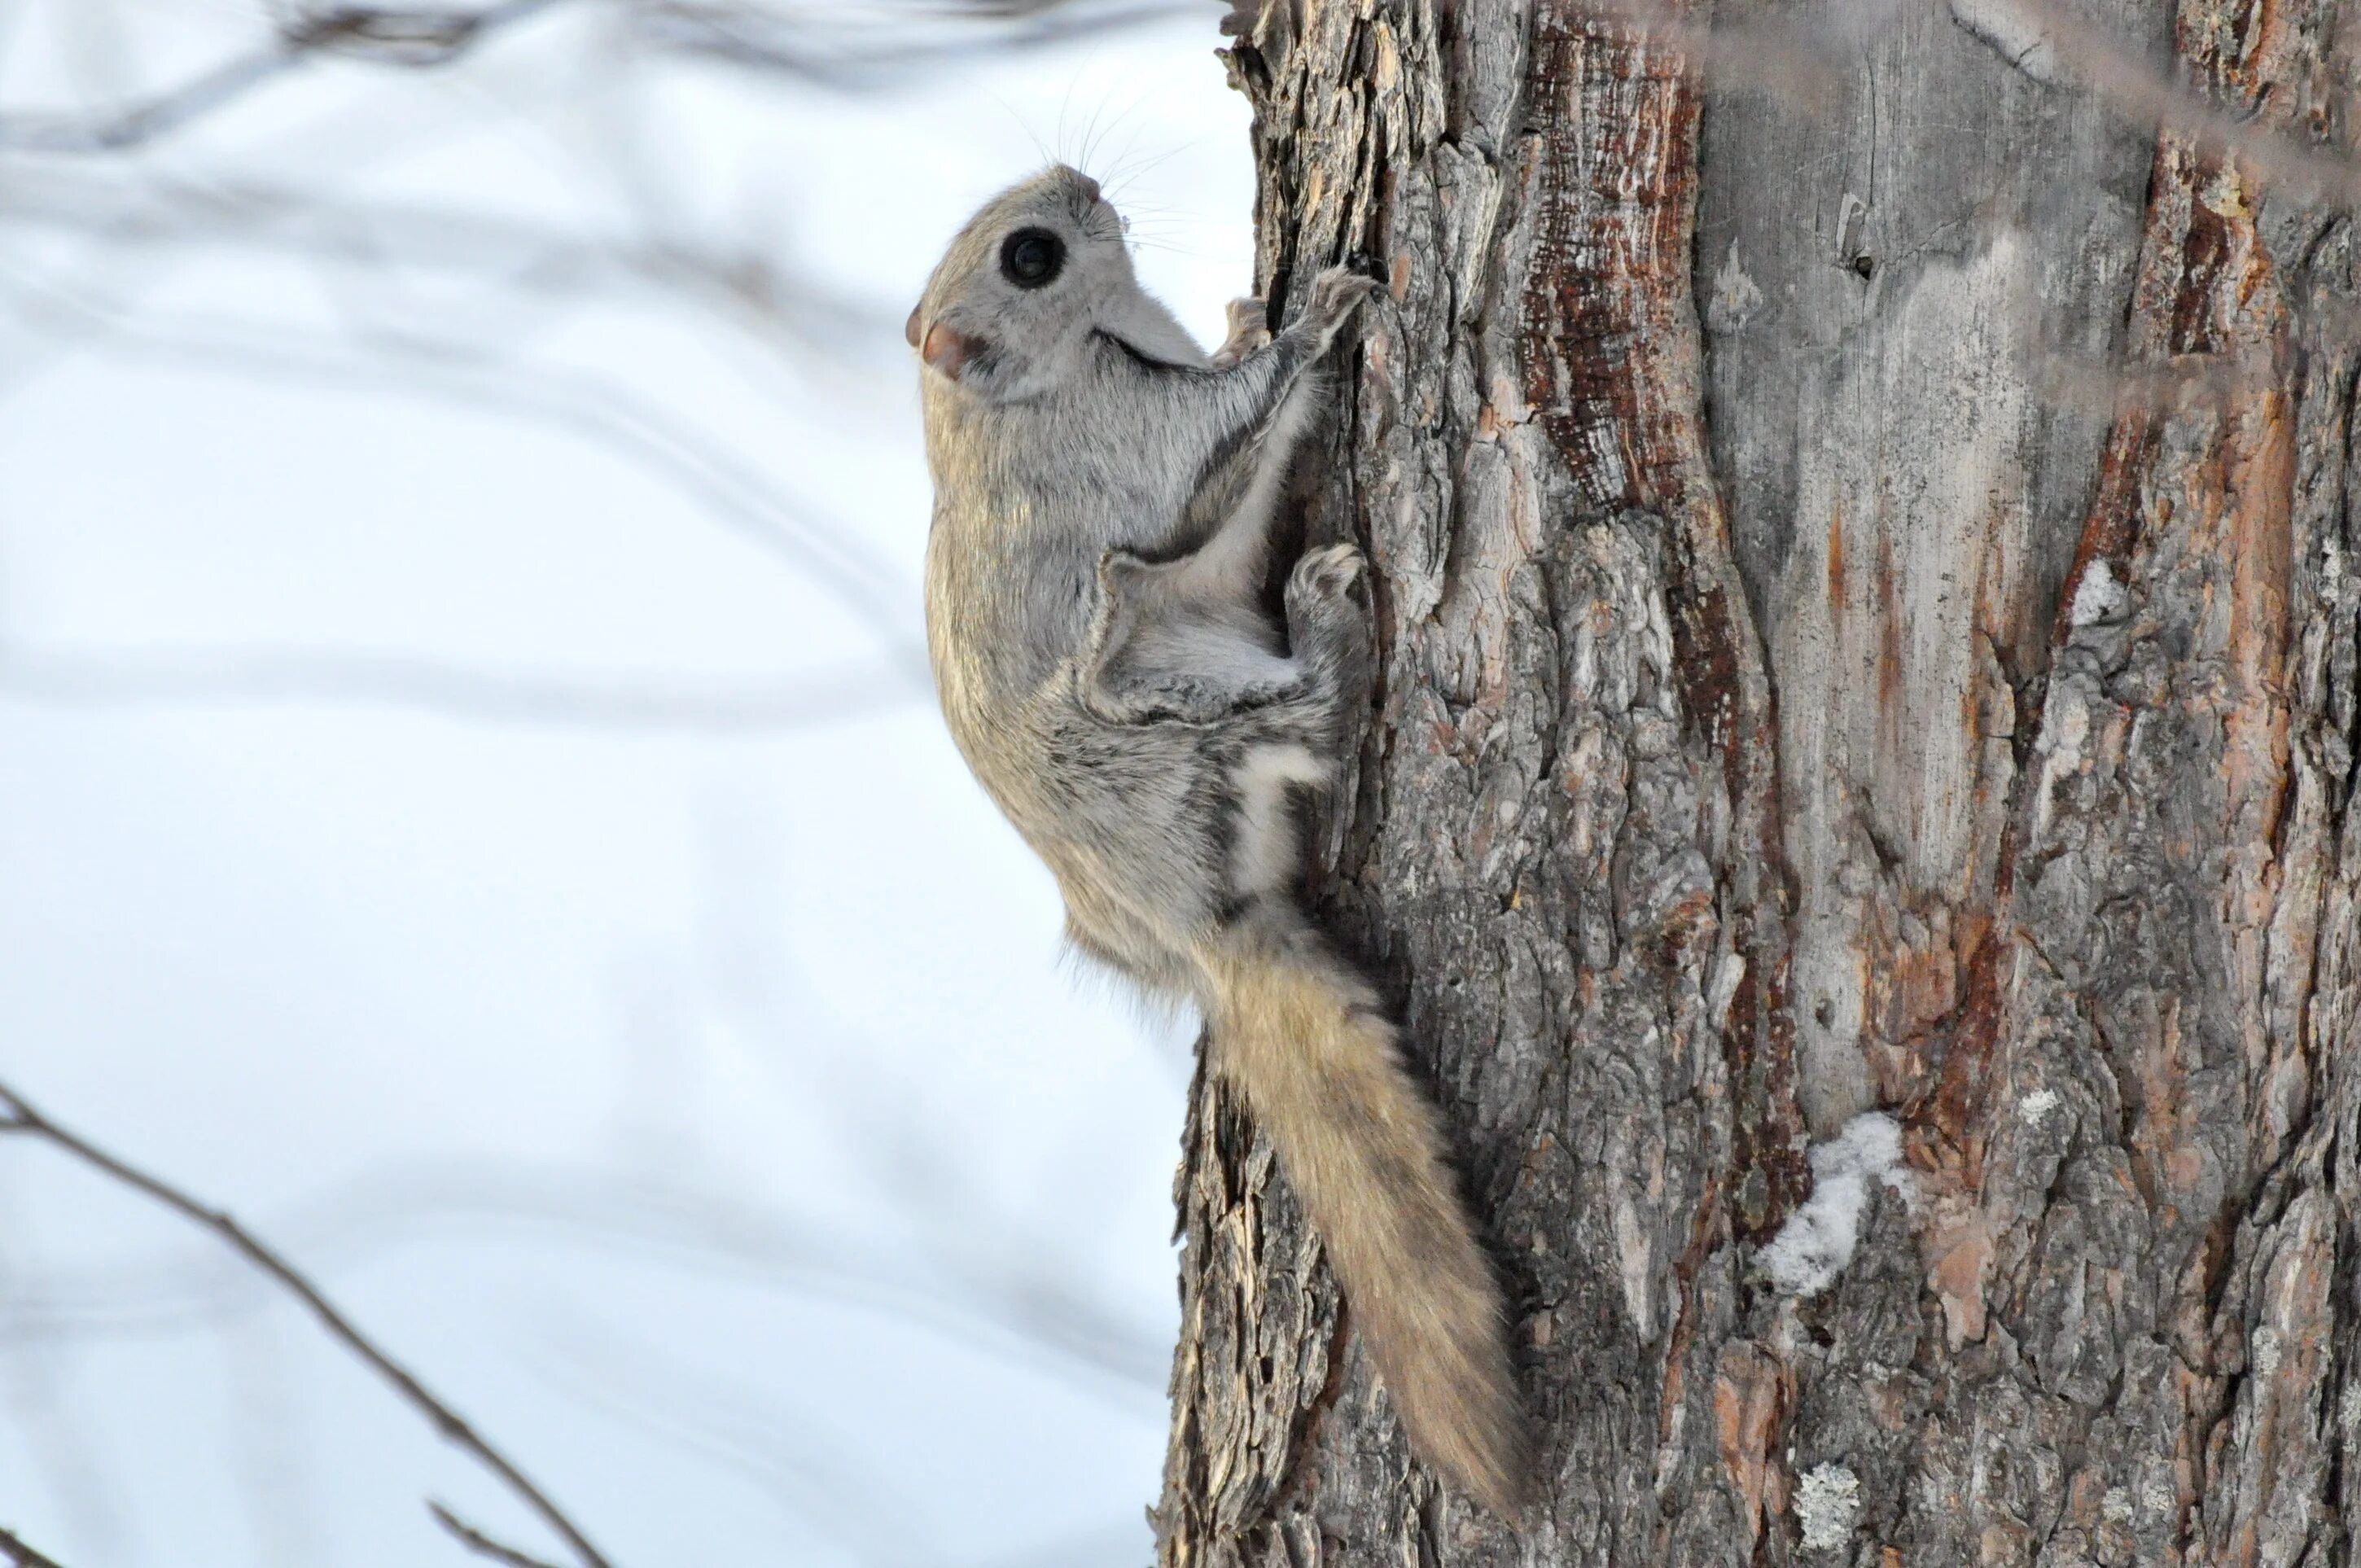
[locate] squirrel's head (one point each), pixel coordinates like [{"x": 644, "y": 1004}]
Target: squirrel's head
[{"x": 1023, "y": 282}]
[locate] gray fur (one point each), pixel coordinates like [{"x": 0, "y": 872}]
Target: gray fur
[{"x": 1103, "y": 495}]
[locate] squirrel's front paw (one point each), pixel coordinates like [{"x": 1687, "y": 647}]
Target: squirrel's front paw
[
  {"x": 1335, "y": 294},
  {"x": 1322, "y": 585}
]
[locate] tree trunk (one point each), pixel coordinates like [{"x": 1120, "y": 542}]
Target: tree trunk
[{"x": 1860, "y": 530}]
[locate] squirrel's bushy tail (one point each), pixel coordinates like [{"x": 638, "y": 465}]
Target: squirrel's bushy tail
[{"x": 1303, "y": 1036}]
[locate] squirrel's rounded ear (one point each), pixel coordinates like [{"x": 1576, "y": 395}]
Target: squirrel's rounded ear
[
  {"x": 948, "y": 351},
  {"x": 910, "y": 327}
]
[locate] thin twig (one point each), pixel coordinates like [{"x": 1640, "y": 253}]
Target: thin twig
[
  {"x": 482, "y": 1545},
  {"x": 15, "y": 1550},
  {"x": 24, "y": 1118}
]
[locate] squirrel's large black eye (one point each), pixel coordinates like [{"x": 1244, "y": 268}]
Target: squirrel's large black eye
[{"x": 1031, "y": 258}]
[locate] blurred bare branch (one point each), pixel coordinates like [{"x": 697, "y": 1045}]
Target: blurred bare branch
[
  {"x": 1032, "y": 1321},
  {"x": 884, "y": 1136},
  {"x": 39, "y": 1391},
  {"x": 718, "y": 1422},
  {"x": 153, "y": 677},
  {"x": 275, "y": 1444},
  {"x": 528, "y": 267},
  {"x": 15, "y": 1550},
  {"x": 801, "y": 43},
  {"x": 611, "y": 419},
  {"x": 402, "y": 36},
  {"x": 825, "y": 45},
  {"x": 810, "y": 1478},
  {"x": 23, "y": 1118},
  {"x": 61, "y": 1445}
]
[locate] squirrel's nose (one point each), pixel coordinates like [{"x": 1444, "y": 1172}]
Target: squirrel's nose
[{"x": 1089, "y": 188}]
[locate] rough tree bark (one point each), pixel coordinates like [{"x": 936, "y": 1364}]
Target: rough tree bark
[{"x": 1861, "y": 529}]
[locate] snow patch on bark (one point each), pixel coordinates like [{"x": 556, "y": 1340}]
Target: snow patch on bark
[
  {"x": 2097, "y": 595},
  {"x": 1813, "y": 1247},
  {"x": 1826, "y": 1498}
]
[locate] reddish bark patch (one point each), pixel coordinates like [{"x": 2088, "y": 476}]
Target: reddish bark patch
[
  {"x": 1610, "y": 351},
  {"x": 2205, "y": 254},
  {"x": 1957, "y": 1110},
  {"x": 1752, "y": 1391},
  {"x": 1837, "y": 559}
]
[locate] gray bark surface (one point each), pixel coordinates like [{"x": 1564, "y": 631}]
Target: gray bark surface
[{"x": 1861, "y": 535}]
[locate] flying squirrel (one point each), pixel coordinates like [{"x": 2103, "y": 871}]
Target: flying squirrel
[{"x": 1104, "y": 493}]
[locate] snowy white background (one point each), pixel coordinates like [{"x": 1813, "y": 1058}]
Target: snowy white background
[{"x": 466, "y": 806}]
